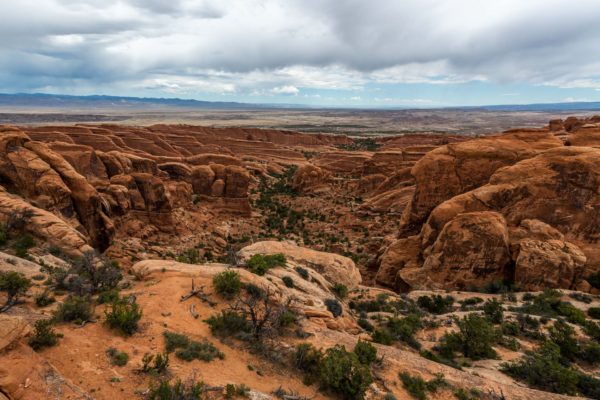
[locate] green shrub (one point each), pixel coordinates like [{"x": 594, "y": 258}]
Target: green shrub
[
  {"x": 227, "y": 283},
  {"x": 99, "y": 278},
  {"x": 259, "y": 264},
  {"x": 22, "y": 244},
  {"x": 590, "y": 353},
  {"x": 594, "y": 312},
  {"x": 366, "y": 352},
  {"x": 189, "y": 256},
  {"x": 308, "y": 359},
  {"x": 76, "y": 309},
  {"x": 334, "y": 306},
  {"x": 342, "y": 373},
  {"x": 108, "y": 296},
  {"x": 44, "y": 299},
  {"x": 474, "y": 340},
  {"x": 204, "y": 351},
  {"x": 155, "y": 363},
  {"x": 43, "y": 335},
  {"x": 404, "y": 329},
  {"x": 584, "y": 298},
  {"x": 382, "y": 336},
  {"x": 288, "y": 281},
  {"x": 124, "y": 316},
  {"x": 14, "y": 284},
  {"x": 164, "y": 390},
  {"x": 340, "y": 290},
  {"x": 287, "y": 317},
  {"x": 417, "y": 387},
  {"x": 467, "y": 304},
  {"x": 303, "y": 272},
  {"x": 118, "y": 358},
  {"x": 494, "y": 311},
  {"x": 175, "y": 341},
  {"x": 189, "y": 350},
  {"x": 543, "y": 370},
  {"x": 436, "y": 304},
  {"x": 366, "y": 325},
  {"x": 564, "y": 337},
  {"x": 255, "y": 291},
  {"x": 228, "y": 323}
]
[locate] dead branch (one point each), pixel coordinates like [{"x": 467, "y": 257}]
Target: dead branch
[{"x": 193, "y": 311}]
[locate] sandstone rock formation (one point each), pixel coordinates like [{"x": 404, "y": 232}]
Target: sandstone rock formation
[
  {"x": 335, "y": 268},
  {"x": 555, "y": 188}
]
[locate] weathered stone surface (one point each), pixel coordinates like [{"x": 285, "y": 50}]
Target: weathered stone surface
[{"x": 335, "y": 268}]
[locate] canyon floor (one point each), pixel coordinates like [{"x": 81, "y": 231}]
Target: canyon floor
[{"x": 386, "y": 261}]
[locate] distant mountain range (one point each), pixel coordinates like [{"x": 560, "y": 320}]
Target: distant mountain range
[{"x": 54, "y": 101}]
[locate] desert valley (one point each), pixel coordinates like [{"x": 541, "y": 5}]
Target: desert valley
[{"x": 183, "y": 262}]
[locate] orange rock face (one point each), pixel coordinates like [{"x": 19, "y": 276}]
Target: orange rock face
[{"x": 531, "y": 223}]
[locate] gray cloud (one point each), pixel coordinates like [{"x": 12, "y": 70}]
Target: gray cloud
[{"x": 254, "y": 45}]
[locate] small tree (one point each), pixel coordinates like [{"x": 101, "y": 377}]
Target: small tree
[
  {"x": 493, "y": 310},
  {"x": 14, "y": 284},
  {"x": 342, "y": 373},
  {"x": 263, "y": 312}
]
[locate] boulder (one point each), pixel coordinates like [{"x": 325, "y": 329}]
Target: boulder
[
  {"x": 335, "y": 268},
  {"x": 471, "y": 250},
  {"x": 309, "y": 178},
  {"x": 548, "y": 264}
]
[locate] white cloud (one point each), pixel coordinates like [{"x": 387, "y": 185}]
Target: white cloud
[
  {"x": 284, "y": 46},
  {"x": 287, "y": 90}
]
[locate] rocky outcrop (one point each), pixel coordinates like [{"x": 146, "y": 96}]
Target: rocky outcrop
[
  {"x": 471, "y": 250},
  {"x": 335, "y": 268},
  {"x": 45, "y": 225},
  {"x": 549, "y": 204},
  {"x": 309, "y": 178},
  {"x": 457, "y": 168}
]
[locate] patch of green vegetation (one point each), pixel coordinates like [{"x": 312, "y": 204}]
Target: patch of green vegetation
[
  {"x": 227, "y": 283},
  {"x": 340, "y": 290},
  {"x": 341, "y": 372},
  {"x": 361, "y": 144},
  {"x": 399, "y": 329},
  {"x": 178, "y": 390},
  {"x": 189, "y": 350},
  {"x": 22, "y": 245},
  {"x": 44, "y": 299},
  {"x": 548, "y": 304},
  {"x": 334, "y": 306},
  {"x": 288, "y": 281},
  {"x": 155, "y": 364},
  {"x": 303, "y": 272},
  {"x": 228, "y": 323},
  {"x": 493, "y": 311},
  {"x": 118, "y": 358},
  {"x": 74, "y": 309},
  {"x": 436, "y": 304},
  {"x": 14, "y": 284},
  {"x": 43, "y": 335},
  {"x": 418, "y": 388},
  {"x": 474, "y": 339},
  {"x": 124, "y": 316},
  {"x": 259, "y": 264},
  {"x": 544, "y": 370},
  {"x": 594, "y": 312},
  {"x": 189, "y": 256},
  {"x": 366, "y": 352}
]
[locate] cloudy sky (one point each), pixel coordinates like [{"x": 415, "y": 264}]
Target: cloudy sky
[{"x": 424, "y": 53}]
